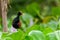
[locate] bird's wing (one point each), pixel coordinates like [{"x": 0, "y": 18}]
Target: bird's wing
[{"x": 19, "y": 23}]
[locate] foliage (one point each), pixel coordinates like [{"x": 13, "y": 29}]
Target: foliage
[
  {"x": 55, "y": 11},
  {"x": 32, "y": 35},
  {"x": 40, "y": 20},
  {"x": 35, "y": 32}
]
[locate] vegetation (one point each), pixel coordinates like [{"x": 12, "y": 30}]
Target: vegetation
[{"x": 40, "y": 20}]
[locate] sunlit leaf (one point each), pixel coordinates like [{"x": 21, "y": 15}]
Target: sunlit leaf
[
  {"x": 36, "y": 35},
  {"x": 54, "y": 35},
  {"x": 18, "y": 35}
]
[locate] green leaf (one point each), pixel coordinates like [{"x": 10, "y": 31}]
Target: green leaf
[
  {"x": 54, "y": 35},
  {"x": 53, "y": 25},
  {"x": 34, "y": 27},
  {"x": 18, "y": 35},
  {"x": 4, "y": 35},
  {"x": 33, "y": 9},
  {"x": 26, "y": 17},
  {"x": 36, "y": 35},
  {"x": 45, "y": 28},
  {"x": 55, "y": 11},
  {"x": 28, "y": 38}
]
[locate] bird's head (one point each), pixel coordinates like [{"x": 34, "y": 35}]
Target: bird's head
[{"x": 19, "y": 13}]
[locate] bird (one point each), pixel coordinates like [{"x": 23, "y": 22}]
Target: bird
[{"x": 16, "y": 22}]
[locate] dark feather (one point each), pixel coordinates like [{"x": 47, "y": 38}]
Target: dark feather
[{"x": 16, "y": 22}]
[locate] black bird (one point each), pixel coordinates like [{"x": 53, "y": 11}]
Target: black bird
[{"x": 16, "y": 22}]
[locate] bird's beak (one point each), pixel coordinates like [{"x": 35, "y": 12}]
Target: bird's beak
[{"x": 23, "y": 14}]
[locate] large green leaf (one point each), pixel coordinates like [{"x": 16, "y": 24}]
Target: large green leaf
[
  {"x": 33, "y": 9},
  {"x": 45, "y": 28},
  {"x": 36, "y": 35},
  {"x": 17, "y": 35},
  {"x": 55, "y": 11},
  {"x": 54, "y": 35},
  {"x": 53, "y": 25},
  {"x": 34, "y": 27},
  {"x": 28, "y": 38},
  {"x": 5, "y": 36},
  {"x": 26, "y": 17}
]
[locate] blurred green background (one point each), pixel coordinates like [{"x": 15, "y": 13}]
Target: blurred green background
[{"x": 40, "y": 20}]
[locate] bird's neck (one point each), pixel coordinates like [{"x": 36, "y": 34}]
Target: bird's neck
[{"x": 18, "y": 16}]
